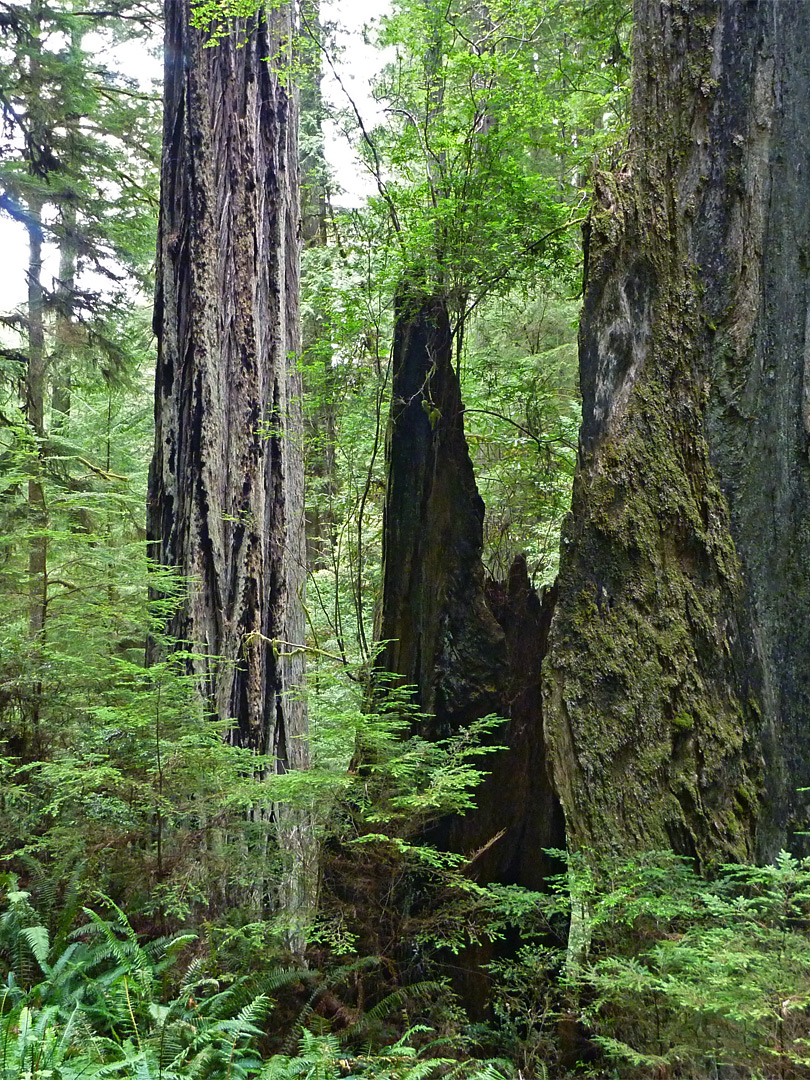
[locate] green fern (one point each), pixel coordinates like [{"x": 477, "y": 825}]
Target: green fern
[
  {"x": 321, "y": 1057},
  {"x": 398, "y": 999},
  {"x": 97, "y": 1008}
]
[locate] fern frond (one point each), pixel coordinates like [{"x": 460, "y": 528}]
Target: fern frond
[
  {"x": 245, "y": 1021},
  {"x": 39, "y": 942},
  {"x": 298, "y": 1031},
  {"x": 398, "y": 999}
]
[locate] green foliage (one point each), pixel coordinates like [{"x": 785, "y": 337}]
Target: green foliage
[
  {"x": 219, "y": 18},
  {"x": 83, "y": 141},
  {"x": 683, "y": 976},
  {"x": 473, "y": 99},
  {"x": 110, "y": 1005},
  {"x": 493, "y": 118},
  {"x": 75, "y": 436},
  {"x": 112, "y": 775},
  {"x": 323, "y": 1058},
  {"x": 522, "y": 421},
  {"x": 135, "y": 786},
  {"x": 378, "y": 786}
]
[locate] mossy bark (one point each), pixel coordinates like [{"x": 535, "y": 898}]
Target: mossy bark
[{"x": 677, "y": 685}]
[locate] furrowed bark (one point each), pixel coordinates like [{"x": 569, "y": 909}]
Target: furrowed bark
[
  {"x": 469, "y": 648},
  {"x": 677, "y": 686},
  {"x": 226, "y": 484}
]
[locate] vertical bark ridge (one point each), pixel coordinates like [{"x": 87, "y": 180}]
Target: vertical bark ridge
[
  {"x": 674, "y": 685},
  {"x": 470, "y": 648},
  {"x": 226, "y": 486}
]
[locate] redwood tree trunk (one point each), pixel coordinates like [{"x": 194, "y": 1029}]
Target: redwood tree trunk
[
  {"x": 678, "y": 685},
  {"x": 226, "y": 485},
  {"x": 469, "y": 647},
  {"x": 440, "y": 634}
]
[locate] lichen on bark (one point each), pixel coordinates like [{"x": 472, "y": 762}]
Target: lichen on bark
[{"x": 674, "y": 689}]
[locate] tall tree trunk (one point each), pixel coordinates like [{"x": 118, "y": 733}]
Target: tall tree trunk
[
  {"x": 677, "y": 684},
  {"x": 65, "y": 330},
  {"x": 36, "y": 373},
  {"x": 226, "y": 501},
  {"x": 315, "y": 348},
  {"x": 226, "y": 485},
  {"x": 470, "y": 648}
]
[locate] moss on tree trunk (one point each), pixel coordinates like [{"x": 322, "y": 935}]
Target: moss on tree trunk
[{"x": 677, "y": 685}]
